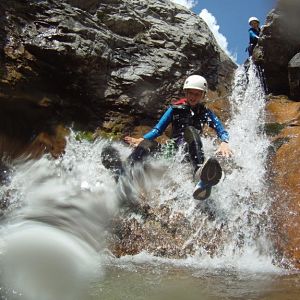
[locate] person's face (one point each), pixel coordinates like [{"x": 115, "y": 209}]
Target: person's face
[
  {"x": 194, "y": 96},
  {"x": 254, "y": 24}
]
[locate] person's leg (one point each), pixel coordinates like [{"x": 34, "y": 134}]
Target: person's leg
[
  {"x": 111, "y": 160},
  {"x": 195, "y": 147},
  {"x": 250, "y": 50},
  {"x": 210, "y": 175},
  {"x": 142, "y": 151}
]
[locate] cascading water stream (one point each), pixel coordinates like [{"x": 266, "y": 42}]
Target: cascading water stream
[
  {"x": 230, "y": 229},
  {"x": 242, "y": 197},
  {"x": 60, "y": 211}
]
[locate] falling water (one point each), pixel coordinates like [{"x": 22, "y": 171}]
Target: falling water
[
  {"x": 242, "y": 199},
  {"x": 234, "y": 220},
  {"x": 53, "y": 238}
]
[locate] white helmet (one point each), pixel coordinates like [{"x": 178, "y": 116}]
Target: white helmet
[
  {"x": 196, "y": 82},
  {"x": 252, "y": 19}
]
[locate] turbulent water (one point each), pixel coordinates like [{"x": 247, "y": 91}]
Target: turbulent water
[{"x": 53, "y": 234}]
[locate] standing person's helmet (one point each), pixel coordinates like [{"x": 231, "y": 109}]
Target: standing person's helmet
[
  {"x": 195, "y": 82},
  {"x": 252, "y": 19}
]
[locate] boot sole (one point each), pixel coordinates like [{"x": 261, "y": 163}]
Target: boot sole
[
  {"x": 110, "y": 158},
  {"x": 211, "y": 172},
  {"x": 202, "y": 194}
]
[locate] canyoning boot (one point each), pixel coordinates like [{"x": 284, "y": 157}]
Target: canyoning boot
[
  {"x": 111, "y": 160},
  {"x": 201, "y": 191},
  {"x": 211, "y": 174},
  {"x": 142, "y": 151}
]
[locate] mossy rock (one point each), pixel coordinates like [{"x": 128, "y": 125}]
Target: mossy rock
[
  {"x": 273, "y": 129},
  {"x": 85, "y": 135},
  {"x": 116, "y": 136}
]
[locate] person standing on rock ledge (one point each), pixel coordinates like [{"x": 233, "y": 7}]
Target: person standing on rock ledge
[
  {"x": 254, "y": 32},
  {"x": 187, "y": 116}
]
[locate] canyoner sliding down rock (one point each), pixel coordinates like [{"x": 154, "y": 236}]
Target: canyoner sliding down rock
[
  {"x": 231, "y": 223},
  {"x": 188, "y": 117}
]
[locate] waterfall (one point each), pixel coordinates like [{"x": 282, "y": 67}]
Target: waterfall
[
  {"x": 59, "y": 212},
  {"x": 242, "y": 198},
  {"x": 230, "y": 229}
]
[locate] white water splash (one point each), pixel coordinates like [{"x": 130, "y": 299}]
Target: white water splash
[
  {"x": 50, "y": 245},
  {"x": 243, "y": 195},
  {"x": 62, "y": 208},
  {"x": 240, "y": 203}
]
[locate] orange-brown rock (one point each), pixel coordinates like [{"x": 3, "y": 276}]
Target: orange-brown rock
[
  {"x": 54, "y": 144},
  {"x": 281, "y": 110},
  {"x": 286, "y": 179}
]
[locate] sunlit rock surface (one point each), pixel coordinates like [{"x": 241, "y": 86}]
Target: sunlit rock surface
[{"x": 284, "y": 116}]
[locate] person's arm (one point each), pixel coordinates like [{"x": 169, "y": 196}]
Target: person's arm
[
  {"x": 214, "y": 122},
  {"x": 253, "y": 35},
  {"x": 161, "y": 126},
  {"x": 157, "y": 130}
]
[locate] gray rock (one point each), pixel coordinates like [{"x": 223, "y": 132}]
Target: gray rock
[
  {"x": 294, "y": 76},
  {"x": 279, "y": 42},
  {"x": 91, "y": 55}
]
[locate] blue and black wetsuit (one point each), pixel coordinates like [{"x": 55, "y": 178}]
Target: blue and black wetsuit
[
  {"x": 187, "y": 124},
  {"x": 181, "y": 116},
  {"x": 253, "y": 39}
]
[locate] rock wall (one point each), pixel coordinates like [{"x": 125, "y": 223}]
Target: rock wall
[
  {"x": 278, "y": 44},
  {"x": 284, "y": 128},
  {"x": 102, "y": 61},
  {"x": 278, "y": 52}
]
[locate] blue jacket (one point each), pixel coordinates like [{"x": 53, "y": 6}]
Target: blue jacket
[
  {"x": 208, "y": 117},
  {"x": 253, "y": 35}
]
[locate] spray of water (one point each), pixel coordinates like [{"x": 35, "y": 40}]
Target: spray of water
[
  {"x": 240, "y": 203},
  {"x": 59, "y": 214},
  {"x": 243, "y": 195},
  {"x": 238, "y": 231},
  {"x": 60, "y": 211}
]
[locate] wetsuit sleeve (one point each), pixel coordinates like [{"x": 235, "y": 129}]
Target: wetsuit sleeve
[
  {"x": 161, "y": 126},
  {"x": 253, "y": 35},
  {"x": 214, "y": 122}
]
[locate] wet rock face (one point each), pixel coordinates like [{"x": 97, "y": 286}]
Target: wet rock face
[
  {"x": 102, "y": 56},
  {"x": 285, "y": 177},
  {"x": 279, "y": 43},
  {"x": 29, "y": 130},
  {"x": 294, "y": 76},
  {"x": 161, "y": 232}
]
